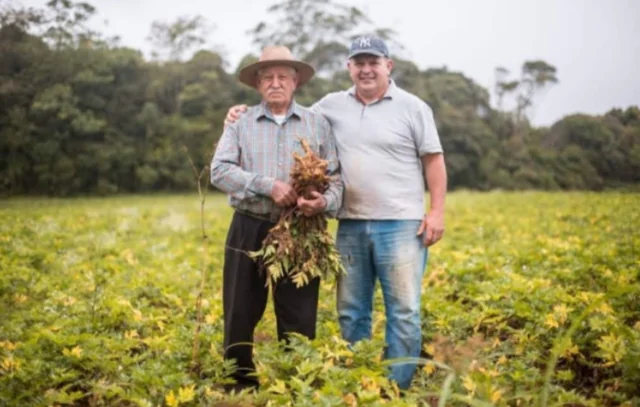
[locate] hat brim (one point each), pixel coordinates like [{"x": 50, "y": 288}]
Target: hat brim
[
  {"x": 366, "y": 52},
  {"x": 249, "y": 74}
]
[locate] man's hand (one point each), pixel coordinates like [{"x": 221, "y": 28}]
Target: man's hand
[
  {"x": 234, "y": 114},
  {"x": 432, "y": 228},
  {"x": 310, "y": 207},
  {"x": 283, "y": 194}
]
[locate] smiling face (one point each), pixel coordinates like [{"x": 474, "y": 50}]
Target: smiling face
[
  {"x": 369, "y": 73},
  {"x": 276, "y": 84}
]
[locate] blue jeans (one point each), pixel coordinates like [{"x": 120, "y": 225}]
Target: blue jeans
[{"x": 390, "y": 251}]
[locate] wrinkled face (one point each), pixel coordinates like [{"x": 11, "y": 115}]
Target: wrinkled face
[
  {"x": 276, "y": 84},
  {"x": 370, "y": 73}
]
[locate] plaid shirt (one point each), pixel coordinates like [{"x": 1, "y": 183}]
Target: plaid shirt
[{"x": 255, "y": 151}]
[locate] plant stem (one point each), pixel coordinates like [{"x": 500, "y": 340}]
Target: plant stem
[{"x": 195, "y": 351}]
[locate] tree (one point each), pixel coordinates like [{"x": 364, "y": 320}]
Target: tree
[
  {"x": 317, "y": 31},
  {"x": 81, "y": 115},
  {"x": 173, "y": 40},
  {"x": 18, "y": 17},
  {"x": 503, "y": 86},
  {"x": 65, "y": 23},
  {"x": 534, "y": 77}
]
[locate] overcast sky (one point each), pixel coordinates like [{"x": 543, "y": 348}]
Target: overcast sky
[{"x": 595, "y": 44}]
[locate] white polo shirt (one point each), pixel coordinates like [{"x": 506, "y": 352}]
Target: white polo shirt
[{"x": 379, "y": 147}]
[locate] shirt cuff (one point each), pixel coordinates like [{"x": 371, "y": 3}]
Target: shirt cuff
[
  {"x": 263, "y": 185},
  {"x": 424, "y": 150},
  {"x": 332, "y": 206}
]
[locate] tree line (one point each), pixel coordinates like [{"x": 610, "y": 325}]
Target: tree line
[{"x": 82, "y": 114}]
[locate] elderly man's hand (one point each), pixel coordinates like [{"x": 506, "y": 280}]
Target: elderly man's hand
[
  {"x": 283, "y": 194},
  {"x": 234, "y": 114},
  {"x": 432, "y": 228},
  {"x": 310, "y": 207}
]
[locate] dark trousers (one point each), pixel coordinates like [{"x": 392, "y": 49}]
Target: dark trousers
[{"x": 245, "y": 298}]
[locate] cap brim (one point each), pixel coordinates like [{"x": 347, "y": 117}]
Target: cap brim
[
  {"x": 367, "y": 52},
  {"x": 249, "y": 74}
]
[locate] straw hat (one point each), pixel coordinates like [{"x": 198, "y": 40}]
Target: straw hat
[{"x": 275, "y": 56}]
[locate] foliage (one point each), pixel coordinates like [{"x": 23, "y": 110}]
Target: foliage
[
  {"x": 81, "y": 115},
  {"x": 177, "y": 37},
  {"x": 535, "y": 76},
  {"x": 528, "y": 293},
  {"x": 300, "y": 247},
  {"x": 317, "y": 31}
]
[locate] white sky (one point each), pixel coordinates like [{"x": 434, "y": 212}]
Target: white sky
[{"x": 595, "y": 44}]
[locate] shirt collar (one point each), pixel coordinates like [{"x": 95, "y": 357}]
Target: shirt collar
[
  {"x": 389, "y": 94},
  {"x": 294, "y": 110}
]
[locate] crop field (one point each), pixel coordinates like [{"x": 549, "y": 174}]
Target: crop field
[{"x": 531, "y": 299}]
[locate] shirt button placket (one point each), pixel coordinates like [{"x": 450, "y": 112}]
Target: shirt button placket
[{"x": 281, "y": 153}]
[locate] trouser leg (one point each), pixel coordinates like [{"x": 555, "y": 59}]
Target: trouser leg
[
  {"x": 296, "y": 308},
  {"x": 355, "y": 289},
  {"x": 400, "y": 260},
  {"x": 244, "y": 294}
]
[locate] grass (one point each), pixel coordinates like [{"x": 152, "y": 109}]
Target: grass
[{"x": 531, "y": 299}]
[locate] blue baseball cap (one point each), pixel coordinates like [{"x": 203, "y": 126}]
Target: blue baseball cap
[{"x": 368, "y": 45}]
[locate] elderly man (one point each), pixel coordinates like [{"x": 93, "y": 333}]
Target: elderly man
[
  {"x": 251, "y": 164},
  {"x": 389, "y": 147}
]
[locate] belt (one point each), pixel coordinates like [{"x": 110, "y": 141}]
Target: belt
[{"x": 273, "y": 218}]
